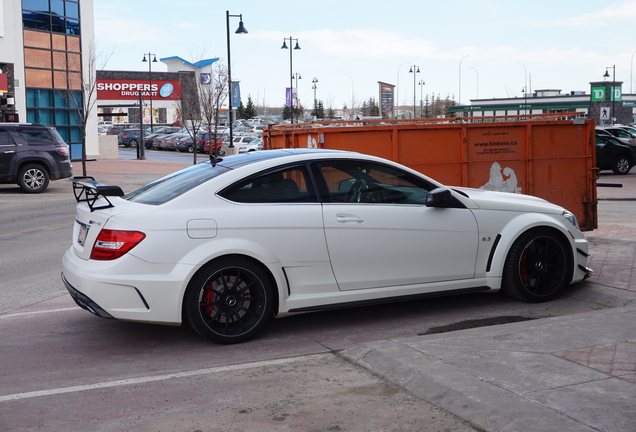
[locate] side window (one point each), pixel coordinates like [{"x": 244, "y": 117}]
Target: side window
[
  {"x": 353, "y": 181},
  {"x": 37, "y": 136},
  {"x": 624, "y": 134},
  {"x": 5, "y": 138},
  {"x": 292, "y": 185}
]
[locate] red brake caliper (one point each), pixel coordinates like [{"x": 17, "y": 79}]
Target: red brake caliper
[
  {"x": 208, "y": 298},
  {"x": 522, "y": 270}
]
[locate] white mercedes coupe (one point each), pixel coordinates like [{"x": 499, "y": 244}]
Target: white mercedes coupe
[{"x": 228, "y": 243}]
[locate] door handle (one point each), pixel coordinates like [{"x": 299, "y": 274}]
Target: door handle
[
  {"x": 348, "y": 218},
  {"x": 9, "y": 152}
]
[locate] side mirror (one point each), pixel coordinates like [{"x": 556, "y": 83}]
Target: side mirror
[{"x": 440, "y": 197}]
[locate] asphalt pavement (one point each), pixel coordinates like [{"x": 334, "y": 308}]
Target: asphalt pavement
[{"x": 567, "y": 373}]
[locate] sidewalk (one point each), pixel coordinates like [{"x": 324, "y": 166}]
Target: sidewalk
[{"x": 128, "y": 173}]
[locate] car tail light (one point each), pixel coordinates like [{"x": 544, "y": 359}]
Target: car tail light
[
  {"x": 112, "y": 244},
  {"x": 62, "y": 150}
]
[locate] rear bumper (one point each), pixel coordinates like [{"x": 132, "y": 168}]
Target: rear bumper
[
  {"x": 62, "y": 174},
  {"x": 84, "y": 301},
  {"x": 127, "y": 288}
]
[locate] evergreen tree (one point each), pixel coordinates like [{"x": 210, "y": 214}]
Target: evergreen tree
[
  {"x": 250, "y": 109},
  {"x": 374, "y": 107},
  {"x": 286, "y": 112},
  {"x": 320, "y": 112},
  {"x": 240, "y": 111}
]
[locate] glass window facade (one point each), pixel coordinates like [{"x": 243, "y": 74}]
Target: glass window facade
[
  {"x": 53, "y": 93},
  {"x": 57, "y": 16}
]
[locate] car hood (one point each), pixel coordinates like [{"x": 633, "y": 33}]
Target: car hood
[{"x": 491, "y": 200}]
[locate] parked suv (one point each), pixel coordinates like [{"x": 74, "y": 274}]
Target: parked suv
[
  {"x": 31, "y": 155},
  {"x": 613, "y": 154}
]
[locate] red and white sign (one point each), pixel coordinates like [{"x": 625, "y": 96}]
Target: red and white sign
[{"x": 117, "y": 89}]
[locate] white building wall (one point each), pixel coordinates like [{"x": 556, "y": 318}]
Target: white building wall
[
  {"x": 11, "y": 49},
  {"x": 87, "y": 25}
]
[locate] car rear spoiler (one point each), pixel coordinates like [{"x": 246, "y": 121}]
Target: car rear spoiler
[{"x": 88, "y": 190}]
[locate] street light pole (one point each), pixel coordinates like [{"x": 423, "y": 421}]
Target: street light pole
[
  {"x": 477, "y": 80},
  {"x": 460, "y": 79},
  {"x": 240, "y": 30},
  {"x": 351, "y": 95},
  {"x": 525, "y": 88},
  {"x": 264, "y": 107},
  {"x": 291, "y": 74},
  {"x": 414, "y": 72},
  {"x": 314, "y": 87},
  {"x": 421, "y": 84},
  {"x": 613, "y": 91},
  {"x": 397, "y": 91},
  {"x": 150, "y": 81},
  {"x": 631, "y": 80}
]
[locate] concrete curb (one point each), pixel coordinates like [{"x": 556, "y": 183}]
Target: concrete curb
[{"x": 508, "y": 377}]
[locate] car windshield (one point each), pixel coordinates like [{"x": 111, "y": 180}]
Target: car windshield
[{"x": 171, "y": 186}]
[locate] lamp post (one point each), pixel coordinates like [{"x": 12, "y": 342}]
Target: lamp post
[
  {"x": 314, "y": 86},
  {"x": 421, "y": 84},
  {"x": 477, "y": 80},
  {"x": 612, "y": 92},
  {"x": 150, "y": 81},
  {"x": 240, "y": 30},
  {"x": 414, "y": 72},
  {"x": 631, "y": 80},
  {"x": 460, "y": 79},
  {"x": 264, "y": 106},
  {"x": 291, "y": 73},
  {"x": 397, "y": 91},
  {"x": 525, "y": 88},
  {"x": 296, "y": 76},
  {"x": 351, "y": 95}
]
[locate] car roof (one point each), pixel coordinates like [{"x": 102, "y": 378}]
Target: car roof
[{"x": 244, "y": 159}]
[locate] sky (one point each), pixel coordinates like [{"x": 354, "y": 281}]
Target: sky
[{"x": 464, "y": 49}]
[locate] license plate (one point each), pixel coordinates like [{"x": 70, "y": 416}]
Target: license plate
[{"x": 83, "y": 232}]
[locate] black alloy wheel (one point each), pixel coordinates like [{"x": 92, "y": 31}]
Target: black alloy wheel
[
  {"x": 537, "y": 267},
  {"x": 229, "y": 301}
]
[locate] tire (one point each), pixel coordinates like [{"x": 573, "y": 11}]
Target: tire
[
  {"x": 621, "y": 165},
  {"x": 133, "y": 143},
  {"x": 229, "y": 301},
  {"x": 33, "y": 178},
  {"x": 190, "y": 149},
  {"x": 221, "y": 152},
  {"x": 537, "y": 267}
]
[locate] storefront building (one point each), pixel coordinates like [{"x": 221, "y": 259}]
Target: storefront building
[
  {"x": 44, "y": 50},
  {"x": 605, "y": 103},
  {"x": 164, "y": 95}
]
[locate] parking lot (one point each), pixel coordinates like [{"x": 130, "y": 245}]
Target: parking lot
[{"x": 404, "y": 366}]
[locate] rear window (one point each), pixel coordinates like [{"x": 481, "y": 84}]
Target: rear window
[
  {"x": 37, "y": 136},
  {"x": 171, "y": 186}
]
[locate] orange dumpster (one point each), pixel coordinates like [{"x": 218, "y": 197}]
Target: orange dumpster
[{"x": 549, "y": 156}]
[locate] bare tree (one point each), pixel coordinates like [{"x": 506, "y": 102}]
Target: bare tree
[
  {"x": 212, "y": 96},
  {"x": 188, "y": 106},
  {"x": 329, "y": 101},
  {"x": 80, "y": 94}
]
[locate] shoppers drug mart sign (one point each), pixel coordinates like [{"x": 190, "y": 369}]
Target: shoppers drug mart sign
[{"x": 109, "y": 89}]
